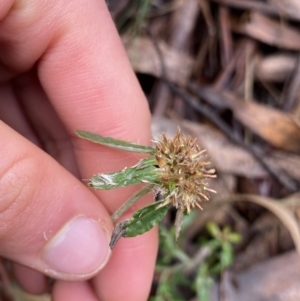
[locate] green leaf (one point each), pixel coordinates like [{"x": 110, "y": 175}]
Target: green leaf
[
  {"x": 145, "y": 219},
  {"x": 234, "y": 238},
  {"x": 143, "y": 172},
  {"x": 226, "y": 256},
  {"x": 213, "y": 229},
  {"x": 203, "y": 283},
  {"x": 115, "y": 143},
  {"x": 142, "y": 221}
]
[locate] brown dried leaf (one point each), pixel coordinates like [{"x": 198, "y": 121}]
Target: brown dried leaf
[
  {"x": 276, "y": 67},
  {"x": 276, "y": 127},
  {"x": 287, "y": 7},
  {"x": 274, "y": 7},
  {"x": 269, "y": 31},
  {"x": 275, "y": 279},
  {"x": 144, "y": 59},
  {"x": 287, "y": 162}
]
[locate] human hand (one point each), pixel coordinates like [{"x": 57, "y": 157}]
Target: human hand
[{"x": 63, "y": 68}]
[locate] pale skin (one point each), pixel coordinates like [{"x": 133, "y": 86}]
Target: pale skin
[{"x": 63, "y": 68}]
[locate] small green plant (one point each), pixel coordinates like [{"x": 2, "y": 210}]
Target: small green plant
[
  {"x": 181, "y": 274},
  {"x": 176, "y": 171},
  {"x": 221, "y": 257},
  {"x": 221, "y": 245}
]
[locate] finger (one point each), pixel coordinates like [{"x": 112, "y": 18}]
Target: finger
[
  {"x": 49, "y": 220},
  {"x": 75, "y": 291},
  {"x": 30, "y": 280}
]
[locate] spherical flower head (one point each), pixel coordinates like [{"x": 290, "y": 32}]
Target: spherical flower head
[{"x": 182, "y": 171}]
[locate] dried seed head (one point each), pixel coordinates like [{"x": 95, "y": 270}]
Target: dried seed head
[{"x": 182, "y": 171}]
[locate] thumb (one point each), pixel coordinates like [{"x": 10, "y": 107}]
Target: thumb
[{"x": 48, "y": 220}]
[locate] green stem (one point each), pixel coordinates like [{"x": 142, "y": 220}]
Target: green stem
[{"x": 120, "y": 211}]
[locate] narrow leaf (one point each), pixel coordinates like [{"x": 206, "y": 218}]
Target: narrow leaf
[
  {"x": 115, "y": 143},
  {"x": 226, "y": 256},
  {"x": 178, "y": 222},
  {"x": 145, "y": 219},
  {"x": 143, "y": 172},
  {"x": 213, "y": 229}
]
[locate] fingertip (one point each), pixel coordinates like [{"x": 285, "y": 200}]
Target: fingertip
[{"x": 79, "y": 249}]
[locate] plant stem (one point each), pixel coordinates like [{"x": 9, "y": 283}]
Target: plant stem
[{"x": 120, "y": 211}]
